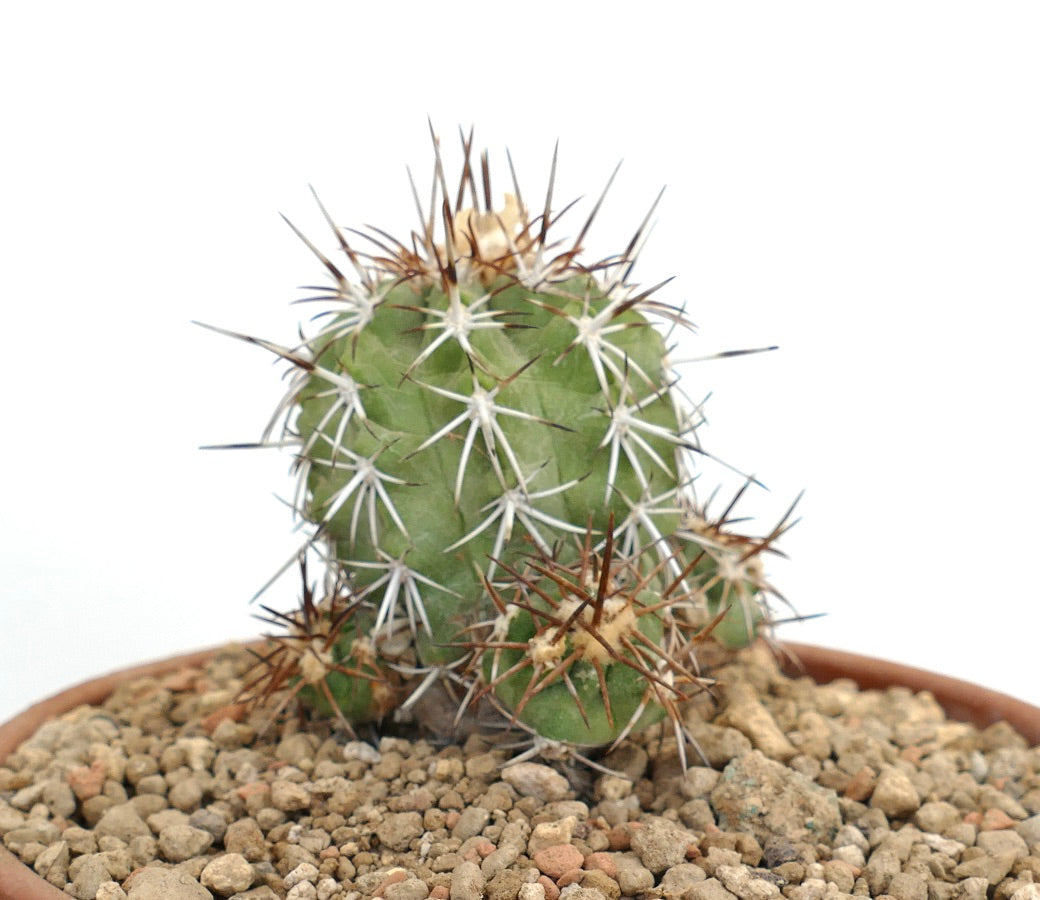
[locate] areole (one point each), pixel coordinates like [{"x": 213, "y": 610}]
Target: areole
[{"x": 962, "y": 700}]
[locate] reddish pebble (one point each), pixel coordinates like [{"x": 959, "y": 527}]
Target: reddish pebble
[
  {"x": 619, "y": 838},
  {"x": 440, "y": 892},
  {"x": 912, "y": 754},
  {"x": 329, "y": 853},
  {"x": 452, "y": 819},
  {"x": 236, "y": 712},
  {"x": 861, "y": 785},
  {"x": 485, "y": 849},
  {"x": 552, "y": 892},
  {"x": 554, "y": 861},
  {"x": 395, "y": 877},
  {"x": 254, "y": 787},
  {"x": 996, "y": 820},
  {"x": 87, "y": 781},
  {"x": 571, "y": 876},
  {"x": 693, "y": 851},
  {"x": 602, "y": 861},
  {"x": 973, "y": 818},
  {"x": 183, "y": 680}
]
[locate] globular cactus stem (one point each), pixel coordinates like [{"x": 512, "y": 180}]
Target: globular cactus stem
[{"x": 496, "y": 462}]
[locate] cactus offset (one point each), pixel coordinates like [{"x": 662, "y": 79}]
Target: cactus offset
[{"x": 492, "y": 452}]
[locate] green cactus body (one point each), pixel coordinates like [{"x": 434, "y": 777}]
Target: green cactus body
[
  {"x": 474, "y": 465},
  {"x": 482, "y": 396}
]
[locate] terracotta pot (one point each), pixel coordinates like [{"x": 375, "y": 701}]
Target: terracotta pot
[{"x": 961, "y": 700}]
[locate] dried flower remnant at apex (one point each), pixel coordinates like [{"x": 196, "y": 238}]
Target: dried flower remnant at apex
[{"x": 476, "y": 394}]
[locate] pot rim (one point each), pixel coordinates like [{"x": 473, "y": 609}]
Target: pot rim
[{"x": 962, "y": 700}]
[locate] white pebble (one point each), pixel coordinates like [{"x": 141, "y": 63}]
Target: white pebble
[
  {"x": 538, "y": 781},
  {"x": 850, "y": 854},
  {"x": 942, "y": 844},
  {"x": 303, "y": 872},
  {"x": 738, "y": 880},
  {"x": 327, "y": 888},
  {"x": 198, "y": 752},
  {"x": 359, "y": 750},
  {"x": 228, "y": 874}
]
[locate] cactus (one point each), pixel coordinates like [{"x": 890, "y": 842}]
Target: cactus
[{"x": 496, "y": 463}]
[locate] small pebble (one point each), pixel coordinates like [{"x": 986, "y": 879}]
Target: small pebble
[
  {"x": 398, "y": 830},
  {"x": 661, "y": 844},
  {"x": 122, "y": 821},
  {"x": 469, "y": 823},
  {"x": 598, "y": 880},
  {"x": 288, "y": 796},
  {"x": 895, "y": 794},
  {"x": 740, "y": 881},
  {"x": 178, "y": 843},
  {"x": 635, "y": 878},
  {"x": 467, "y": 882},
  {"x": 535, "y": 780},
  {"x": 533, "y": 891},
  {"x": 408, "y": 889},
  {"x": 605, "y": 862},
  {"x": 554, "y": 861},
  {"x": 228, "y": 874},
  {"x": 154, "y": 883}
]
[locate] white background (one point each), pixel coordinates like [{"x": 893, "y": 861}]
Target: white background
[{"x": 856, "y": 182}]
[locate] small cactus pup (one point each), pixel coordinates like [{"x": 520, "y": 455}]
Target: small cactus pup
[
  {"x": 495, "y": 462},
  {"x": 326, "y": 658}
]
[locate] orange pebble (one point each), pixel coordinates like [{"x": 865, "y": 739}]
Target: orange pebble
[
  {"x": 861, "y": 785},
  {"x": 554, "y": 861},
  {"x": 912, "y": 754},
  {"x": 236, "y": 712},
  {"x": 995, "y": 820},
  {"x": 254, "y": 787},
  {"x": 602, "y": 861},
  {"x": 552, "y": 892},
  {"x": 572, "y": 876},
  {"x": 395, "y": 877},
  {"x": 87, "y": 781}
]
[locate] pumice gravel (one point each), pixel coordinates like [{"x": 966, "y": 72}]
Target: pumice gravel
[{"x": 171, "y": 789}]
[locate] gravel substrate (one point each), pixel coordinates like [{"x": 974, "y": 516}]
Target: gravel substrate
[{"x": 806, "y": 791}]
